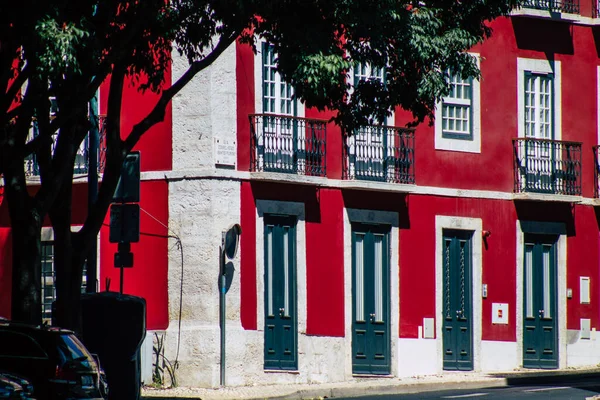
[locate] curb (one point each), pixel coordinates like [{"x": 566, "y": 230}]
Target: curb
[{"x": 356, "y": 389}]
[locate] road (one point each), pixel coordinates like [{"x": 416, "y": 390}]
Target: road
[{"x": 575, "y": 391}]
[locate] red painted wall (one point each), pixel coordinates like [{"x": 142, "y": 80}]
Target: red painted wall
[
  {"x": 576, "y": 47},
  {"x": 325, "y": 265},
  {"x": 244, "y": 74},
  {"x": 155, "y": 146},
  {"x": 248, "y": 258},
  {"x": 148, "y": 277}
]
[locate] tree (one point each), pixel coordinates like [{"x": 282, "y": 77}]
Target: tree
[{"x": 66, "y": 49}]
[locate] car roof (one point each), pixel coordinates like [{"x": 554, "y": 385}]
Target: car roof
[{"x": 27, "y": 328}]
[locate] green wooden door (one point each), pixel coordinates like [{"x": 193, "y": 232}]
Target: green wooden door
[
  {"x": 457, "y": 301},
  {"x": 370, "y": 299},
  {"x": 281, "y": 331},
  {"x": 540, "y": 333}
]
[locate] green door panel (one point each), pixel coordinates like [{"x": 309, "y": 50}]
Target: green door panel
[
  {"x": 540, "y": 332},
  {"x": 281, "y": 330},
  {"x": 370, "y": 299},
  {"x": 457, "y": 328}
]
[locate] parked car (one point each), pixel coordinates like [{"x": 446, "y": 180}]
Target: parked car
[
  {"x": 14, "y": 387},
  {"x": 55, "y": 362}
]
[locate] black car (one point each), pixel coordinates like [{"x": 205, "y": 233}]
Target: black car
[
  {"x": 55, "y": 362},
  {"x": 14, "y": 387}
]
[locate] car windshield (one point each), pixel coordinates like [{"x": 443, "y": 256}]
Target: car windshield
[{"x": 72, "y": 351}]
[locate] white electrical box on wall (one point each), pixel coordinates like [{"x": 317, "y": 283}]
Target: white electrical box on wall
[
  {"x": 428, "y": 328},
  {"x": 500, "y": 313},
  {"x": 584, "y": 290}
]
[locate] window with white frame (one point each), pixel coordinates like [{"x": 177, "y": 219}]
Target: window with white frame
[
  {"x": 366, "y": 72},
  {"x": 277, "y": 95},
  {"x": 457, "y": 109},
  {"x": 458, "y": 120},
  {"x": 538, "y": 105},
  {"x": 539, "y": 98}
]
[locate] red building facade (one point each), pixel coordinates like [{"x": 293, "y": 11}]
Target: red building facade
[{"x": 468, "y": 244}]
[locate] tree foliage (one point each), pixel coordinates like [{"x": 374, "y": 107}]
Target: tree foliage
[{"x": 66, "y": 49}]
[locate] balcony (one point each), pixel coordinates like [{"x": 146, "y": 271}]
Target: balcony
[
  {"x": 562, "y": 6},
  {"x": 381, "y": 154},
  {"x": 547, "y": 166},
  {"x": 286, "y": 144},
  {"x": 81, "y": 159},
  {"x": 596, "y": 150}
]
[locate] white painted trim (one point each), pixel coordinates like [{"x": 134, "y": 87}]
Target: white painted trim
[
  {"x": 476, "y": 226},
  {"x": 258, "y": 88},
  {"x": 544, "y": 67},
  {"x": 468, "y": 146},
  {"x": 359, "y": 185},
  {"x": 561, "y": 298},
  {"x": 372, "y": 217},
  {"x": 283, "y": 208}
]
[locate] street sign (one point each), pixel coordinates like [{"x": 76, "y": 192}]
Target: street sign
[
  {"x": 128, "y": 188},
  {"x": 124, "y": 223}
]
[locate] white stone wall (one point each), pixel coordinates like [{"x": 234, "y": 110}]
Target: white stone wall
[{"x": 205, "y": 109}]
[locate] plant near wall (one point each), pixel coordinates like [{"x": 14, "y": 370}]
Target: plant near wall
[{"x": 65, "y": 49}]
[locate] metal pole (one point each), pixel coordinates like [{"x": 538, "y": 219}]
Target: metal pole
[
  {"x": 93, "y": 139},
  {"x": 121, "y": 283},
  {"x": 222, "y": 307}
]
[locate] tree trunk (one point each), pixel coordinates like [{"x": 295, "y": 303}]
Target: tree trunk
[
  {"x": 67, "y": 278},
  {"x": 26, "y": 246}
]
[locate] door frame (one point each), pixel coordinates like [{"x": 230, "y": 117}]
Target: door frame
[
  {"x": 372, "y": 217},
  {"x": 474, "y": 225},
  {"x": 292, "y": 209},
  {"x": 544, "y": 228}
]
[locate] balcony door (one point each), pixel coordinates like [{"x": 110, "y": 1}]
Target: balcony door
[
  {"x": 540, "y": 152},
  {"x": 279, "y": 142}
]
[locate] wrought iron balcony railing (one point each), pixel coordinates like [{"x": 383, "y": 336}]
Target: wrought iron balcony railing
[
  {"x": 81, "y": 159},
  {"x": 282, "y": 143},
  {"x": 380, "y": 153},
  {"x": 547, "y": 166},
  {"x": 596, "y": 150},
  {"x": 563, "y": 6}
]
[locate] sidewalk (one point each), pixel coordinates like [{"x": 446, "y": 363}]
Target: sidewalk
[{"x": 374, "y": 386}]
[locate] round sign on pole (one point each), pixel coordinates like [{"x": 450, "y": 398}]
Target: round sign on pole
[{"x": 232, "y": 240}]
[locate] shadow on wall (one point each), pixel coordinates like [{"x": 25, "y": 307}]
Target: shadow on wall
[
  {"x": 547, "y": 212},
  {"x": 550, "y": 37},
  {"x": 396, "y": 202}
]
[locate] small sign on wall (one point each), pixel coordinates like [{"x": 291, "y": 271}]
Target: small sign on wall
[
  {"x": 225, "y": 152},
  {"x": 500, "y": 313}
]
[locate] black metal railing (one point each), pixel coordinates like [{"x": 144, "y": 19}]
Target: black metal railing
[
  {"x": 563, "y": 6},
  {"x": 293, "y": 145},
  {"x": 596, "y": 150},
  {"x": 547, "y": 166},
  {"x": 81, "y": 159},
  {"x": 380, "y": 153}
]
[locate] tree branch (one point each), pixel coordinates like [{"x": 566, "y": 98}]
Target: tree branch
[{"x": 158, "y": 112}]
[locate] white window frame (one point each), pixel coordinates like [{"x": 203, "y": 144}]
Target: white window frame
[
  {"x": 542, "y": 67},
  {"x": 469, "y": 143},
  {"x": 258, "y": 84}
]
